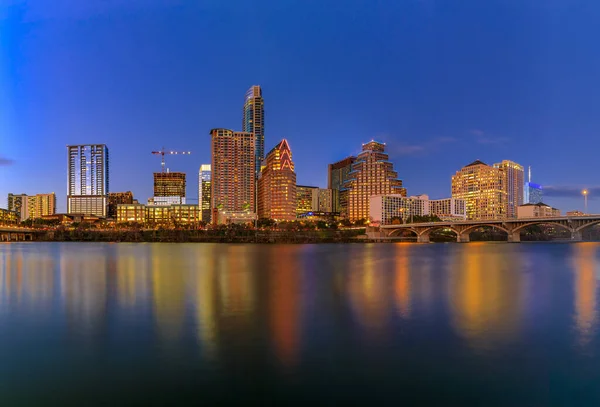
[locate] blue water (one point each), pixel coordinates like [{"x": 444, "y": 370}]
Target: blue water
[{"x": 88, "y": 324}]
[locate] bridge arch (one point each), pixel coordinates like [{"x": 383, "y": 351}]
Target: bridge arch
[
  {"x": 396, "y": 232},
  {"x": 592, "y": 223},
  {"x": 565, "y": 227},
  {"x": 470, "y": 229}
]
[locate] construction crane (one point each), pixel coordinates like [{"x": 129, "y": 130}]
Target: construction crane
[{"x": 162, "y": 154}]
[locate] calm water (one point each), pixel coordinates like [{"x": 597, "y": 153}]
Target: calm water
[{"x": 160, "y": 324}]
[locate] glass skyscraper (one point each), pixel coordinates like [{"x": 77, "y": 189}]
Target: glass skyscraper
[
  {"x": 204, "y": 180},
  {"x": 87, "y": 179},
  {"x": 254, "y": 121}
]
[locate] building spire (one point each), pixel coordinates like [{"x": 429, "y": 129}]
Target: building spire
[{"x": 529, "y": 174}]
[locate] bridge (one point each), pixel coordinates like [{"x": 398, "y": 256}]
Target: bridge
[
  {"x": 12, "y": 233},
  {"x": 513, "y": 227}
]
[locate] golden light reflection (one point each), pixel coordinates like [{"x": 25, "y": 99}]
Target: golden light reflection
[
  {"x": 204, "y": 286},
  {"x": 585, "y": 290},
  {"x": 133, "y": 285},
  {"x": 486, "y": 294},
  {"x": 235, "y": 281},
  {"x": 284, "y": 306},
  {"x": 402, "y": 284}
]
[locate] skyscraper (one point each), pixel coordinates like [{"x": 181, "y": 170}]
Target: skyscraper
[
  {"x": 483, "y": 190},
  {"x": 277, "y": 185},
  {"x": 254, "y": 121},
  {"x": 372, "y": 174},
  {"x": 204, "y": 180},
  {"x": 233, "y": 170},
  {"x": 337, "y": 175},
  {"x": 307, "y": 199},
  {"x": 87, "y": 179},
  {"x": 533, "y": 193},
  {"x": 513, "y": 184}
]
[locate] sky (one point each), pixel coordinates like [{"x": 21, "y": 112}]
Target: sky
[{"x": 441, "y": 82}]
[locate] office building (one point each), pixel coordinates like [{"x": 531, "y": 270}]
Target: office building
[
  {"x": 88, "y": 179},
  {"x": 233, "y": 185},
  {"x": 538, "y": 210},
  {"x": 166, "y": 200},
  {"x": 385, "y": 209},
  {"x": 158, "y": 215},
  {"x": 169, "y": 184},
  {"x": 326, "y": 200},
  {"x": 204, "y": 177},
  {"x": 514, "y": 177},
  {"x": 482, "y": 188},
  {"x": 337, "y": 176},
  {"x": 185, "y": 214},
  {"x": 118, "y": 198},
  {"x": 533, "y": 193},
  {"x": 253, "y": 121},
  {"x": 371, "y": 174},
  {"x": 8, "y": 217},
  {"x": 32, "y": 206},
  {"x": 135, "y": 213},
  {"x": 277, "y": 185},
  {"x": 307, "y": 199}
]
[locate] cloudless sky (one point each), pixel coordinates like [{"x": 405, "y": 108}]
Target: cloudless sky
[{"x": 442, "y": 82}]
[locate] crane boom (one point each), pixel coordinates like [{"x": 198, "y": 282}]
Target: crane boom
[{"x": 162, "y": 154}]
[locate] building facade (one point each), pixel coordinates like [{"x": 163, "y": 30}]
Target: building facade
[
  {"x": 306, "y": 199},
  {"x": 538, "y": 210},
  {"x": 8, "y": 217},
  {"x": 385, "y": 209},
  {"x": 185, "y": 214},
  {"x": 277, "y": 185},
  {"x": 135, "y": 213},
  {"x": 233, "y": 185},
  {"x": 204, "y": 180},
  {"x": 88, "y": 179},
  {"x": 482, "y": 188},
  {"x": 326, "y": 200},
  {"x": 253, "y": 121},
  {"x": 32, "y": 206},
  {"x": 514, "y": 182},
  {"x": 337, "y": 176},
  {"x": 534, "y": 193},
  {"x": 372, "y": 174},
  {"x": 167, "y": 184},
  {"x": 16, "y": 204},
  {"x": 118, "y": 198}
]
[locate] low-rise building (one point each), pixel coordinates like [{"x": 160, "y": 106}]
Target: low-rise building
[
  {"x": 537, "y": 210},
  {"x": 8, "y": 217},
  {"x": 131, "y": 213},
  {"x": 185, "y": 214},
  {"x": 575, "y": 213},
  {"x": 385, "y": 209},
  {"x": 239, "y": 217}
]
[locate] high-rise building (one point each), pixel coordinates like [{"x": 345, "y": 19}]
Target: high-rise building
[
  {"x": 514, "y": 178},
  {"x": 169, "y": 184},
  {"x": 204, "y": 179},
  {"x": 254, "y": 121},
  {"x": 32, "y": 206},
  {"x": 88, "y": 180},
  {"x": 385, "y": 209},
  {"x": 307, "y": 199},
  {"x": 277, "y": 185},
  {"x": 337, "y": 175},
  {"x": 326, "y": 198},
  {"x": 533, "y": 193},
  {"x": 372, "y": 174},
  {"x": 483, "y": 189},
  {"x": 118, "y": 198},
  {"x": 233, "y": 185}
]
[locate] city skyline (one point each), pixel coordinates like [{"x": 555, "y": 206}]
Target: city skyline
[{"x": 492, "y": 98}]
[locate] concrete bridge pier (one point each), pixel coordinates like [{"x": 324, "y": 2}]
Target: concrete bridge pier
[
  {"x": 423, "y": 238},
  {"x": 576, "y": 236},
  {"x": 463, "y": 238},
  {"x": 514, "y": 237}
]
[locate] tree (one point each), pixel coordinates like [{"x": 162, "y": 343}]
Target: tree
[{"x": 396, "y": 220}]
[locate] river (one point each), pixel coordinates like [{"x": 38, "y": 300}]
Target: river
[{"x": 400, "y": 324}]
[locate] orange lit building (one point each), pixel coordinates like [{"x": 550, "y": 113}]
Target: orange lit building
[
  {"x": 169, "y": 184},
  {"x": 277, "y": 185},
  {"x": 233, "y": 186},
  {"x": 483, "y": 189},
  {"x": 514, "y": 184},
  {"x": 372, "y": 174}
]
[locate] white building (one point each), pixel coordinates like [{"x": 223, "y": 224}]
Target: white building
[
  {"x": 166, "y": 200},
  {"x": 538, "y": 210},
  {"x": 385, "y": 208}
]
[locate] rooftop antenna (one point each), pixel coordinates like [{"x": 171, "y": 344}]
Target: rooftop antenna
[{"x": 530, "y": 174}]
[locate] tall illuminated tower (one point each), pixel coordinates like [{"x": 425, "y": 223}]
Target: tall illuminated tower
[
  {"x": 514, "y": 182},
  {"x": 87, "y": 179},
  {"x": 277, "y": 185},
  {"x": 482, "y": 188},
  {"x": 233, "y": 170},
  {"x": 204, "y": 181},
  {"x": 372, "y": 174},
  {"x": 254, "y": 121},
  {"x": 533, "y": 193}
]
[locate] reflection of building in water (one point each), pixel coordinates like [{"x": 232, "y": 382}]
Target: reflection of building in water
[
  {"x": 284, "y": 307},
  {"x": 133, "y": 279},
  {"x": 203, "y": 285},
  {"x": 168, "y": 290},
  {"x": 11, "y": 277},
  {"x": 585, "y": 290},
  {"x": 235, "y": 282},
  {"x": 83, "y": 284},
  {"x": 486, "y": 294},
  {"x": 402, "y": 281},
  {"x": 368, "y": 291}
]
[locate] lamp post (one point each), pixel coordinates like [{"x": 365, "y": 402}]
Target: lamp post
[{"x": 585, "y": 195}]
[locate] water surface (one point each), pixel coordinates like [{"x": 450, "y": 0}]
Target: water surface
[{"x": 153, "y": 324}]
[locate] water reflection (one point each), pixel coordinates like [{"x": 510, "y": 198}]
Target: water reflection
[
  {"x": 486, "y": 295},
  {"x": 585, "y": 266}
]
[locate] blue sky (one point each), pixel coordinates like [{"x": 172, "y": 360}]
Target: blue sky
[{"x": 442, "y": 82}]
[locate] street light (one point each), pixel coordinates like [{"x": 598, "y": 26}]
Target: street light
[{"x": 585, "y": 195}]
